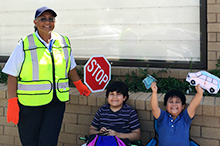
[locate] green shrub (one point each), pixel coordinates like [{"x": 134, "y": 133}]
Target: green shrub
[
  {"x": 3, "y": 77},
  {"x": 135, "y": 84}
]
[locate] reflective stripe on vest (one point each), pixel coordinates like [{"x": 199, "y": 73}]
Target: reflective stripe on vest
[
  {"x": 36, "y": 89},
  {"x": 65, "y": 50},
  {"x": 35, "y": 64}
]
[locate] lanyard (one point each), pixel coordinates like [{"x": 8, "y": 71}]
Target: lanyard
[{"x": 51, "y": 44}]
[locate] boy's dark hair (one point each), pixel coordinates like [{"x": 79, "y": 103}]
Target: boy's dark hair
[
  {"x": 119, "y": 87},
  {"x": 175, "y": 92}
]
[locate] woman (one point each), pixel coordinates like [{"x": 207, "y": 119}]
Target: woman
[{"x": 38, "y": 72}]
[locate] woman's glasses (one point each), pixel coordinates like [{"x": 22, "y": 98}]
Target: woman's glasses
[{"x": 43, "y": 19}]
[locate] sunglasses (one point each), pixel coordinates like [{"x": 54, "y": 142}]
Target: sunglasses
[{"x": 43, "y": 19}]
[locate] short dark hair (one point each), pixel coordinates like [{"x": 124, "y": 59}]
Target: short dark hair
[
  {"x": 172, "y": 93},
  {"x": 119, "y": 87}
]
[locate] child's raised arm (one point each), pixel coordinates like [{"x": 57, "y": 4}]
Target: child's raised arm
[
  {"x": 195, "y": 101},
  {"x": 154, "y": 102}
]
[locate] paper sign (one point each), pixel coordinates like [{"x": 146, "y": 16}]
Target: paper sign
[
  {"x": 148, "y": 81},
  {"x": 207, "y": 81}
]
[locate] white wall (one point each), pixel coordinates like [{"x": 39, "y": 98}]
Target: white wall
[{"x": 126, "y": 29}]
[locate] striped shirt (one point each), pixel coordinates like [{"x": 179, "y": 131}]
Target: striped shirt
[{"x": 123, "y": 121}]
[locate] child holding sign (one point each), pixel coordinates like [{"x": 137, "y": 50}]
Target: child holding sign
[{"x": 174, "y": 123}]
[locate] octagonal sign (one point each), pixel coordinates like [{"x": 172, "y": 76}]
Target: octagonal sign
[{"x": 97, "y": 73}]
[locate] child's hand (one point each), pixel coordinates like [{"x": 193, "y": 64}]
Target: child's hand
[
  {"x": 154, "y": 87},
  {"x": 112, "y": 132},
  {"x": 199, "y": 90},
  {"x": 103, "y": 130}
]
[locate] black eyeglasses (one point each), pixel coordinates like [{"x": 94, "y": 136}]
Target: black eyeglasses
[{"x": 43, "y": 19}]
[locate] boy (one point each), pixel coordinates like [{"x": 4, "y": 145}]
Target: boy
[
  {"x": 174, "y": 124},
  {"x": 116, "y": 118}
]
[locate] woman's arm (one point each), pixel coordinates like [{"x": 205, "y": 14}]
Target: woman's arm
[
  {"x": 83, "y": 90},
  {"x": 73, "y": 75},
  {"x": 12, "y": 86}
]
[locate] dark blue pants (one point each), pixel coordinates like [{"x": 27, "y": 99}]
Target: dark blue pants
[{"x": 40, "y": 126}]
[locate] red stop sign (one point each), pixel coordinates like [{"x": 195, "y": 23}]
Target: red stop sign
[{"x": 97, "y": 73}]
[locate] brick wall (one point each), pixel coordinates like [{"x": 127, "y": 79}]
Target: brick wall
[
  {"x": 213, "y": 32},
  {"x": 80, "y": 111}
]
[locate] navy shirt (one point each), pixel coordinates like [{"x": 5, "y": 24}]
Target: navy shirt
[
  {"x": 173, "y": 132},
  {"x": 123, "y": 121}
]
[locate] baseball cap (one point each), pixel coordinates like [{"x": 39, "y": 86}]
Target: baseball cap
[{"x": 43, "y": 9}]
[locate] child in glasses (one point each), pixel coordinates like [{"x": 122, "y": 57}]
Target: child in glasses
[
  {"x": 174, "y": 123},
  {"x": 116, "y": 118}
]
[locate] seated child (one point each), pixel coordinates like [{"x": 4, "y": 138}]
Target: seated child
[
  {"x": 174, "y": 123},
  {"x": 116, "y": 118}
]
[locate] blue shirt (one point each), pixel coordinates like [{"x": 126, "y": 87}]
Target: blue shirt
[
  {"x": 124, "y": 120},
  {"x": 173, "y": 132}
]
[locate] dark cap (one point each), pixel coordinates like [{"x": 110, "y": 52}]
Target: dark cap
[{"x": 43, "y": 9}]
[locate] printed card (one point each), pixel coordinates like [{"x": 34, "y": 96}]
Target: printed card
[{"x": 148, "y": 81}]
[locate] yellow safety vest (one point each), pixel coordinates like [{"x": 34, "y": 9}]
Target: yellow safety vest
[{"x": 43, "y": 72}]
